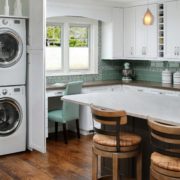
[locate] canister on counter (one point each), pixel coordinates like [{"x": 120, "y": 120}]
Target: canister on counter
[
  {"x": 176, "y": 77},
  {"x": 166, "y": 76}
]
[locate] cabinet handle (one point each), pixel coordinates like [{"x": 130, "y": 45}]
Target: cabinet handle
[
  {"x": 132, "y": 50},
  {"x": 143, "y": 50},
  {"x": 178, "y": 51},
  {"x": 175, "y": 51}
]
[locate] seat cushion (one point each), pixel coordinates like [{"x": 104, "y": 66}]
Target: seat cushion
[
  {"x": 55, "y": 115},
  {"x": 126, "y": 139},
  {"x": 165, "y": 162}
]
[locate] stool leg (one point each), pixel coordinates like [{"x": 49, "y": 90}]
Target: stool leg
[
  {"x": 115, "y": 167},
  {"x": 94, "y": 165},
  {"x": 139, "y": 166},
  {"x": 99, "y": 165}
]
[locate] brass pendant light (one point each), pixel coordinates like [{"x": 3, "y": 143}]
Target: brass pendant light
[{"x": 148, "y": 18}]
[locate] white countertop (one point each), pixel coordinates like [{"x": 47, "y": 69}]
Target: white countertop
[{"x": 141, "y": 105}]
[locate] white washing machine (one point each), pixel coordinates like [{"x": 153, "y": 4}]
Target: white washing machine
[
  {"x": 12, "y": 51},
  {"x": 12, "y": 119}
]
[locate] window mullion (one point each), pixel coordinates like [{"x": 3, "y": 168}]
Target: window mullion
[{"x": 66, "y": 48}]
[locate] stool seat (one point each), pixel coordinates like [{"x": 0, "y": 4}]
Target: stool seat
[
  {"x": 126, "y": 139},
  {"x": 165, "y": 162}
]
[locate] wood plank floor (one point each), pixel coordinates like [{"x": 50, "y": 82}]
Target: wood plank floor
[{"x": 61, "y": 162}]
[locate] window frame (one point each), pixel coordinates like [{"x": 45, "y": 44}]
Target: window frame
[{"x": 66, "y": 23}]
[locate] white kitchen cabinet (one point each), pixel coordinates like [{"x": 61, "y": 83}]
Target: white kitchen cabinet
[
  {"x": 129, "y": 32},
  {"x": 141, "y": 89},
  {"x": 146, "y": 36},
  {"x": 140, "y": 41},
  {"x": 112, "y": 36},
  {"x": 172, "y": 25}
]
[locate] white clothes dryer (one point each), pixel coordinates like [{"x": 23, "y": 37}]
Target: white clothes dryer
[
  {"x": 12, "y": 119},
  {"x": 12, "y": 51}
]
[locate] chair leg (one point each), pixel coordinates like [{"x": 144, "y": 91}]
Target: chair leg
[
  {"x": 56, "y": 129},
  {"x": 77, "y": 128},
  {"x": 115, "y": 167},
  {"x": 65, "y": 133},
  {"x": 139, "y": 166},
  {"x": 94, "y": 165}
]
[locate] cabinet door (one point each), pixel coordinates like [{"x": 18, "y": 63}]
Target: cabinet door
[
  {"x": 152, "y": 42},
  {"x": 36, "y": 77},
  {"x": 112, "y": 36},
  {"x": 172, "y": 25},
  {"x": 141, "y": 32},
  {"x": 117, "y": 33},
  {"x": 178, "y": 29},
  {"x": 129, "y": 32}
]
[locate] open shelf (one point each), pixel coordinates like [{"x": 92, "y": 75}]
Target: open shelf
[{"x": 161, "y": 30}]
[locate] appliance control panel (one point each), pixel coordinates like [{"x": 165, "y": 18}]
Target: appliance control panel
[{"x": 11, "y": 91}]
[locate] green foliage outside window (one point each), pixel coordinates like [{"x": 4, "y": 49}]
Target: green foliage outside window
[{"x": 78, "y": 36}]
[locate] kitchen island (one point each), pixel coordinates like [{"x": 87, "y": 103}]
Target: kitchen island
[{"x": 139, "y": 106}]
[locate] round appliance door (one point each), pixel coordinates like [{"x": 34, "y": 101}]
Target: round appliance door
[
  {"x": 10, "y": 116},
  {"x": 11, "y": 47}
]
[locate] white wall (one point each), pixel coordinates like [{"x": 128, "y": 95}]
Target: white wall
[
  {"x": 25, "y": 6},
  {"x": 55, "y": 9}
]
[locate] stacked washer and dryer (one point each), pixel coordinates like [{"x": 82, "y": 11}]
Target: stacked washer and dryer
[{"x": 12, "y": 85}]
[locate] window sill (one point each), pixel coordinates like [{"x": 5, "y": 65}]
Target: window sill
[{"x": 71, "y": 74}]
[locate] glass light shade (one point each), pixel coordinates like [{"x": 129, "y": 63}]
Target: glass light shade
[{"x": 148, "y": 18}]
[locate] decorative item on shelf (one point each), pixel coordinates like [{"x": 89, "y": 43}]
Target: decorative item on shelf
[
  {"x": 127, "y": 73},
  {"x": 166, "y": 77},
  {"x": 148, "y": 18},
  {"x": 176, "y": 77},
  {"x": 17, "y": 8},
  {"x": 6, "y": 8}
]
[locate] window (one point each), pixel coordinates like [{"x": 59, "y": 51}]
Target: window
[
  {"x": 53, "y": 48},
  {"x": 71, "y": 46}
]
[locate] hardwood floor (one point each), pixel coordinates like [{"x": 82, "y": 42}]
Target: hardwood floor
[{"x": 61, "y": 162}]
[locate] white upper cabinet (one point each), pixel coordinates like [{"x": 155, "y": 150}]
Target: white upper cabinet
[
  {"x": 141, "y": 32},
  {"x": 129, "y": 32},
  {"x": 140, "y": 41},
  {"x": 146, "y": 35},
  {"x": 112, "y": 36},
  {"x": 172, "y": 25}
]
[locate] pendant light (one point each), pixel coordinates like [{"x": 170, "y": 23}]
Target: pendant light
[{"x": 148, "y": 18}]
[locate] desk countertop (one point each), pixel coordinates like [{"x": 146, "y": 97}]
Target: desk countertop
[{"x": 119, "y": 82}]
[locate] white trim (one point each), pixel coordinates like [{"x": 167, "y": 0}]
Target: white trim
[{"x": 93, "y": 44}]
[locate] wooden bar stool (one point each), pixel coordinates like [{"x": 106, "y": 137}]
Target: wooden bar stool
[
  {"x": 165, "y": 160},
  {"x": 114, "y": 143}
]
